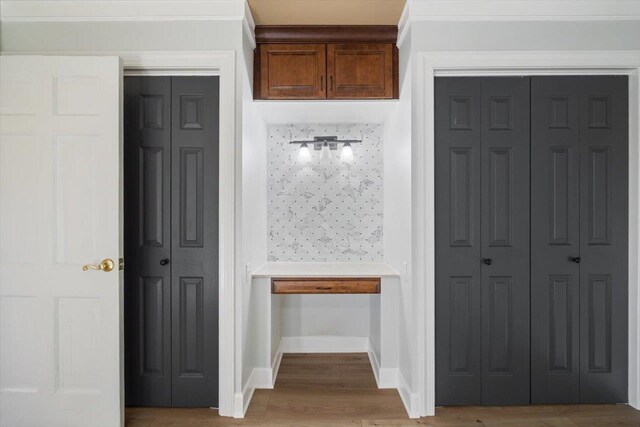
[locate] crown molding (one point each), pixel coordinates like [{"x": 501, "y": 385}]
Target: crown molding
[
  {"x": 522, "y": 10},
  {"x": 326, "y": 33},
  {"x": 123, "y": 10},
  {"x": 404, "y": 24},
  {"x": 515, "y": 10},
  {"x": 249, "y": 25}
]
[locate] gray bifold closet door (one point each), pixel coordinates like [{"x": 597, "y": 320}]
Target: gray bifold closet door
[
  {"x": 579, "y": 246},
  {"x": 482, "y": 240},
  {"x": 171, "y": 240},
  {"x": 577, "y": 287}
]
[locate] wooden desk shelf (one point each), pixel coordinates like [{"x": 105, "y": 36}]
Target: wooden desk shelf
[{"x": 325, "y": 285}]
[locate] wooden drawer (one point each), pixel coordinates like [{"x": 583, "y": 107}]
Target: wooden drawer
[{"x": 352, "y": 285}]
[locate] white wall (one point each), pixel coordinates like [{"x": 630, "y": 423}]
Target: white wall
[
  {"x": 525, "y": 35},
  {"x": 397, "y": 209},
  {"x": 120, "y": 36},
  {"x": 254, "y": 223}
]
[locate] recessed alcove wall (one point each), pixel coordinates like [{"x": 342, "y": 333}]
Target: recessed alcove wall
[{"x": 323, "y": 211}]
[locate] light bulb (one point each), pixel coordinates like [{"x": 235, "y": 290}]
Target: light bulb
[
  {"x": 325, "y": 154},
  {"x": 304, "y": 155},
  {"x": 346, "y": 155}
]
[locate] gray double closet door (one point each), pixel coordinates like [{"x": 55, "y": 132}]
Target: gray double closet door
[
  {"x": 531, "y": 240},
  {"x": 171, "y": 241}
]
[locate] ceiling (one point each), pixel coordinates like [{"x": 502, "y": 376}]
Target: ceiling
[{"x": 326, "y": 12}]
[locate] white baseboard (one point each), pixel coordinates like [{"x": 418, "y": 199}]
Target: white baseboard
[
  {"x": 324, "y": 344},
  {"x": 242, "y": 399},
  {"x": 275, "y": 367},
  {"x": 409, "y": 399},
  {"x": 385, "y": 377},
  {"x": 375, "y": 364}
]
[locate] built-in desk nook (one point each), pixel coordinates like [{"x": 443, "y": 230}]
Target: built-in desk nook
[{"x": 284, "y": 294}]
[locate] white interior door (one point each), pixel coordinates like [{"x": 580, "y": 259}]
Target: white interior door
[{"x": 60, "y": 206}]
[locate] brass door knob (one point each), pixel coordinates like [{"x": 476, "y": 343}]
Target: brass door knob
[{"x": 106, "y": 265}]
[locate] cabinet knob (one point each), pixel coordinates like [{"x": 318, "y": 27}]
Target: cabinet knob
[
  {"x": 164, "y": 261},
  {"x": 575, "y": 259},
  {"x": 487, "y": 261}
]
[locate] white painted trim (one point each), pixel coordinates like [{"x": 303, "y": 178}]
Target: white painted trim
[
  {"x": 275, "y": 367},
  {"x": 324, "y": 344},
  {"x": 514, "y": 10},
  {"x": 404, "y": 24},
  {"x": 409, "y": 400},
  {"x": 385, "y": 377},
  {"x": 243, "y": 399},
  {"x": 375, "y": 365},
  {"x": 522, "y": 10},
  {"x": 260, "y": 378},
  {"x": 134, "y": 10},
  {"x": 249, "y": 25},
  {"x": 500, "y": 63}
]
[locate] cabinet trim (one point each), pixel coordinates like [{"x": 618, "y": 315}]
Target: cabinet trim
[{"x": 326, "y": 34}]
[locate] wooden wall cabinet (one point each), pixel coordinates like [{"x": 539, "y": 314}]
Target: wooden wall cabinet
[{"x": 326, "y": 62}]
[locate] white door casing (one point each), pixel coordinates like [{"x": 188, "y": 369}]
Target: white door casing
[
  {"x": 503, "y": 63},
  {"x": 60, "y": 208}
]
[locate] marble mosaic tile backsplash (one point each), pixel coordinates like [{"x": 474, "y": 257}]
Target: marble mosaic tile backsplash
[{"x": 324, "y": 211}]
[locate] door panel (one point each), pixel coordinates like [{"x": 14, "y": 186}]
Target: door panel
[
  {"x": 194, "y": 252},
  {"x": 555, "y": 195},
  {"x": 603, "y": 238},
  {"x": 458, "y": 353},
  {"x": 147, "y": 127},
  {"x": 60, "y": 351},
  {"x": 505, "y": 240}
]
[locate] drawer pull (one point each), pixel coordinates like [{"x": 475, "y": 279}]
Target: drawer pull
[{"x": 324, "y": 288}]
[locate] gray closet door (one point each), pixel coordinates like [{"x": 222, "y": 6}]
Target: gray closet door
[
  {"x": 458, "y": 241},
  {"x": 171, "y": 240},
  {"x": 579, "y": 239},
  {"x": 194, "y": 212},
  {"x": 482, "y": 241},
  {"x": 555, "y": 240},
  {"x": 147, "y": 196},
  {"x": 604, "y": 178},
  {"x": 505, "y": 161}
]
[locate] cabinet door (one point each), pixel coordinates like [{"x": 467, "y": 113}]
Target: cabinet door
[
  {"x": 292, "y": 71},
  {"x": 360, "y": 70}
]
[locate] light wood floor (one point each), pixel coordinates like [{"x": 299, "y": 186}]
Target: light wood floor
[{"x": 340, "y": 390}]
